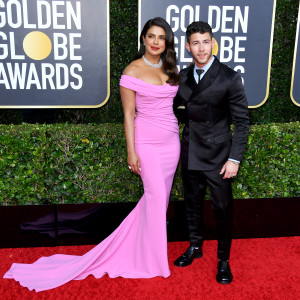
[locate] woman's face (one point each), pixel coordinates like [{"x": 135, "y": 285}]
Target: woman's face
[{"x": 155, "y": 40}]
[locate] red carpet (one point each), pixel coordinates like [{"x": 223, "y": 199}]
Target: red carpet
[{"x": 262, "y": 268}]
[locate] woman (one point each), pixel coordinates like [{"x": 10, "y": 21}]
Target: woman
[{"x": 138, "y": 247}]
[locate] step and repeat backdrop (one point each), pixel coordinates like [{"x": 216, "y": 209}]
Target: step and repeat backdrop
[
  {"x": 295, "y": 86},
  {"x": 243, "y": 31},
  {"x": 55, "y": 54}
]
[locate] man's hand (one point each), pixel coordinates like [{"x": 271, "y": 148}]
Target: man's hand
[{"x": 229, "y": 169}]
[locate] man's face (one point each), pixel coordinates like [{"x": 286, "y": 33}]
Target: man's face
[{"x": 200, "y": 46}]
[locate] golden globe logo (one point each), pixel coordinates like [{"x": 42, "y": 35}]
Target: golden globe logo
[
  {"x": 37, "y": 45},
  {"x": 40, "y": 44},
  {"x": 215, "y": 49}
]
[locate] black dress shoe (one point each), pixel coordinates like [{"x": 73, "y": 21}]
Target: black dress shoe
[
  {"x": 189, "y": 255},
  {"x": 224, "y": 275}
]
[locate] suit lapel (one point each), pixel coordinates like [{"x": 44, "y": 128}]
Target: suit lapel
[
  {"x": 208, "y": 78},
  {"x": 188, "y": 84},
  {"x": 190, "y": 81}
]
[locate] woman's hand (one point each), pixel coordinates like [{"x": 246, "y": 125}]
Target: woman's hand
[{"x": 134, "y": 164}]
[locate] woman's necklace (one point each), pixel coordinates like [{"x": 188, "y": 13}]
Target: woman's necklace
[{"x": 148, "y": 63}]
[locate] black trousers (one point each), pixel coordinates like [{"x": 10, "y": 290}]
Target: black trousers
[{"x": 195, "y": 184}]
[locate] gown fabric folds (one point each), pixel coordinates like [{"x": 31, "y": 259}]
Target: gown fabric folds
[{"x": 138, "y": 247}]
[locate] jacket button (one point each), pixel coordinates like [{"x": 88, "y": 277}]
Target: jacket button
[{"x": 208, "y": 140}]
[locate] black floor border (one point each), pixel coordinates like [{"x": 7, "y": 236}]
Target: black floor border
[{"x": 81, "y": 224}]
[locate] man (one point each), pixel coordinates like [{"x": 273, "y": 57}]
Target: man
[{"x": 213, "y": 97}]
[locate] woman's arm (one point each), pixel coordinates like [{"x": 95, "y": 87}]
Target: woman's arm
[{"x": 128, "y": 103}]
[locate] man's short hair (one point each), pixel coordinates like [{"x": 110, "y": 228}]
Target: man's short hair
[{"x": 198, "y": 27}]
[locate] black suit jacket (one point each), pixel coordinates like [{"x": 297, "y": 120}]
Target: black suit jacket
[{"x": 210, "y": 108}]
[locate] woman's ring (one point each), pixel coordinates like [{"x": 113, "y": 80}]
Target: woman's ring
[{"x": 129, "y": 167}]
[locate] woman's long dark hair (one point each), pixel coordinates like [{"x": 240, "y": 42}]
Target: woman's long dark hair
[{"x": 169, "y": 55}]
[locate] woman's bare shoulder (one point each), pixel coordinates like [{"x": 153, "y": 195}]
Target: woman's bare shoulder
[{"x": 133, "y": 69}]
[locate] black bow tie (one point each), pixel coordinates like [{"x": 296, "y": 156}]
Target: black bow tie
[{"x": 199, "y": 72}]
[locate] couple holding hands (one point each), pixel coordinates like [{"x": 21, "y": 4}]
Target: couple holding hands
[{"x": 213, "y": 98}]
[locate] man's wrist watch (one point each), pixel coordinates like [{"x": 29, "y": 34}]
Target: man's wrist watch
[{"x": 234, "y": 161}]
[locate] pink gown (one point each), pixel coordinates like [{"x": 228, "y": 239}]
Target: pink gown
[{"x": 138, "y": 247}]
